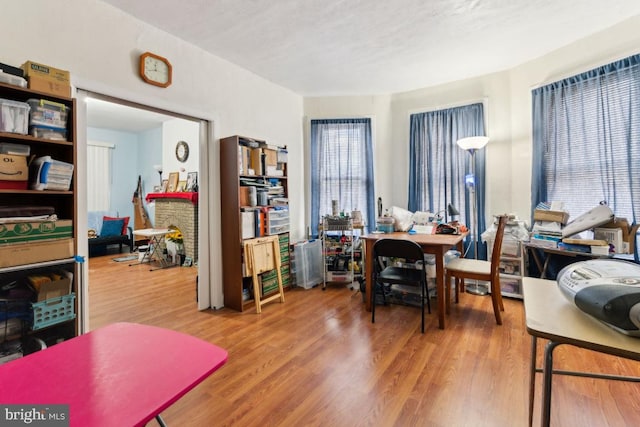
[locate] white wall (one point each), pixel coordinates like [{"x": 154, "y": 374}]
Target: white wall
[
  {"x": 100, "y": 46},
  {"x": 507, "y": 96}
]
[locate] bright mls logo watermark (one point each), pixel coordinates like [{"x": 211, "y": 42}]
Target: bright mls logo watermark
[{"x": 34, "y": 415}]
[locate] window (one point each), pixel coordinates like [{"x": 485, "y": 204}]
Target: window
[
  {"x": 437, "y": 166},
  {"x": 99, "y": 177},
  {"x": 586, "y": 140},
  {"x": 341, "y": 168}
]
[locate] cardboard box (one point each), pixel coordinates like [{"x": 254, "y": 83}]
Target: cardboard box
[
  {"x": 34, "y": 231},
  {"x": 244, "y": 196},
  {"x": 13, "y": 168},
  {"x": 256, "y": 161},
  {"x": 271, "y": 157},
  {"x": 54, "y": 289},
  {"x": 551, "y": 216},
  {"x": 34, "y": 69},
  {"x": 50, "y": 86},
  {"x": 13, "y": 254},
  {"x": 628, "y": 233}
]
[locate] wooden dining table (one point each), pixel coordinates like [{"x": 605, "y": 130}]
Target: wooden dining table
[{"x": 435, "y": 244}]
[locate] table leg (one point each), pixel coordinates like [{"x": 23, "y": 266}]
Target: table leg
[
  {"x": 368, "y": 272},
  {"x": 532, "y": 377},
  {"x": 440, "y": 287},
  {"x": 547, "y": 374}
]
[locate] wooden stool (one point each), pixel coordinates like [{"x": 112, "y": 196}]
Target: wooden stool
[{"x": 263, "y": 254}]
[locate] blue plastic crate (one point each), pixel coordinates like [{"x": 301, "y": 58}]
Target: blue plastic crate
[{"x": 53, "y": 311}]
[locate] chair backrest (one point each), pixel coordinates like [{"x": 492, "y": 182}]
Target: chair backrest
[
  {"x": 497, "y": 244},
  {"x": 397, "y": 248}
]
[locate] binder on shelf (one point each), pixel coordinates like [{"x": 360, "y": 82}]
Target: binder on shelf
[{"x": 49, "y": 174}]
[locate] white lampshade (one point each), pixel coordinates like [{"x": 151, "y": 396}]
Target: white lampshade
[{"x": 472, "y": 142}]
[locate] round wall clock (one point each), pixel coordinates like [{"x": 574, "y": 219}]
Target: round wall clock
[
  {"x": 155, "y": 69},
  {"x": 182, "y": 151}
]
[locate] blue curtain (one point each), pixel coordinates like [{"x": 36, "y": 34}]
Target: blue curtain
[
  {"x": 437, "y": 166},
  {"x": 586, "y": 140},
  {"x": 341, "y": 169}
]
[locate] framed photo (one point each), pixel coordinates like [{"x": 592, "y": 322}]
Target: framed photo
[
  {"x": 182, "y": 186},
  {"x": 165, "y": 185},
  {"x": 157, "y": 188},
  {"x": 192, "y": 181},
  {"x": 173, "y": 182}
]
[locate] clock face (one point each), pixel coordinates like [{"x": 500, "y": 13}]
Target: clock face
[
  {"x": 155, "y": 69},
  {"x": 182, "y": 151}
]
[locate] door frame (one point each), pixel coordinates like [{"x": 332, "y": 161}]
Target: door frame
[{"x": 209, "y": 295}]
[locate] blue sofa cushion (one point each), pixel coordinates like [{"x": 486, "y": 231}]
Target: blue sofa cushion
[{"x": 112, "y": 227}]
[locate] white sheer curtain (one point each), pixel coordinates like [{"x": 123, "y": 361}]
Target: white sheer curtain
[{"x": 99, "y": 176}]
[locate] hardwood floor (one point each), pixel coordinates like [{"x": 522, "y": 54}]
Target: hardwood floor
[{"x": 317, "y": 360}]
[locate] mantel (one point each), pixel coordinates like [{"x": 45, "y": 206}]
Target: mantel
[{"x": 193, "y": 197}]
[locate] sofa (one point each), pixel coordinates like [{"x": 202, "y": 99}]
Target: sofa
[{"x": 106, "y": 230}]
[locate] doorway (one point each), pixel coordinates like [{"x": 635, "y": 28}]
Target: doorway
[{"x": 146, "y": 135}]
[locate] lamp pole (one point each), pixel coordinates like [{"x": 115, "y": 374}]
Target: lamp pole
[{"x": 473, "y": 144}]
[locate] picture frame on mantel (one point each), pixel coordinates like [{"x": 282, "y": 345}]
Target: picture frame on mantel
[
  {"x": 192, "y": 182},
  {"x": 165, "y": 185},
  {"x": 173, "y": 182}
]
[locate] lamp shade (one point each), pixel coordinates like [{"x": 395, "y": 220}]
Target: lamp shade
[
  {"x": 451, "y": 210},
  {"x": 472, "y": 142}
]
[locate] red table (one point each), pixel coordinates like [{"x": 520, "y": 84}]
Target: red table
[{"x": 123, "y": 374}]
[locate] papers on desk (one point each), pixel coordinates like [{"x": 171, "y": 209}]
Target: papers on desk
[{"x": 422, "y": 229}]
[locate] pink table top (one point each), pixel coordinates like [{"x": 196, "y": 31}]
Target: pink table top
[{"x": 123, "y": 374}]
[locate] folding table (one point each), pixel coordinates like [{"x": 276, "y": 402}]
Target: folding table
[{"x": 123, "y": 374}]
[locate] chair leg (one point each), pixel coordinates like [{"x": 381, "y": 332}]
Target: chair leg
[
  {"x": 422, "y": 310},
  {"x": 496, "y": 300},
  {"x": 373, "y": 301},
  {"x": 447, "y": 291},
  {"x": 426, "y": 295}
]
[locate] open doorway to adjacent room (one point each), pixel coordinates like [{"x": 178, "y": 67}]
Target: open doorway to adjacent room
[{"x": 131, "y": 151}]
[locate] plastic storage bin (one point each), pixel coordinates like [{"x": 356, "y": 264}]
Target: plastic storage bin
[
  {"x": 14, "y": 149},
  {"x": 308, "y": 263},
  {"x": 53, "y": 311},
  {"x": 14, "y": 116},
  {"x": 47, "y": 113}
]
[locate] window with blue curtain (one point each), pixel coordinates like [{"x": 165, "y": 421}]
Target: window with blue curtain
[
  {"x": 341, "y": 169},
  {"x": 437, "y": 166},
  {"x": 586, "y": 140}
]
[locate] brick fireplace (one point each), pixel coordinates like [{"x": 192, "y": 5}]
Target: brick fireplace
[{"x": 182, "y": 213}]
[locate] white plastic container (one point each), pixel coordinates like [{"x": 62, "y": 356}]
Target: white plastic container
[
  {"x": 14, "y": 116},
  {"x": 308, "y": 263}
]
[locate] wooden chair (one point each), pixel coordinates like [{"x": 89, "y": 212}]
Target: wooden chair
[
  {"x": 462, "y": 268},
  {"x": 263, "y": 254},
  {"x": 392, "y": 275}
]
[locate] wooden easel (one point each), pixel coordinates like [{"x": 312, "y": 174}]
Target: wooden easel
[
  {"x": 140, "y": 219},
  {"x": 263, "y": 254}
]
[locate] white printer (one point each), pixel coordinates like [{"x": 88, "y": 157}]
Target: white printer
[{"x": 606, "y": 289}]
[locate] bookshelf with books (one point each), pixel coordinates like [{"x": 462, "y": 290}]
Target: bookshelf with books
[{"x": 254, "y": 203}]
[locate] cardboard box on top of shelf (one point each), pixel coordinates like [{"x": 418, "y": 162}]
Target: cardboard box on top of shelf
[
  {"x": 34, "y": 69},
  {"x": 49, "y": 85}
]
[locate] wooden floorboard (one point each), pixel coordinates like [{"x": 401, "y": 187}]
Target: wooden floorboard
[{"x": 317, "y": 360}]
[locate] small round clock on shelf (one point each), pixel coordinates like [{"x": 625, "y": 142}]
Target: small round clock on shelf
[{"x": 182, "y": 151}]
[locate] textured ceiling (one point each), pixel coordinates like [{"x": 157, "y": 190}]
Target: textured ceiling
[{"x": 364, "y": 47}]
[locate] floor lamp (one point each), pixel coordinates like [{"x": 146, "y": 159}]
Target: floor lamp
[{"x": 473, "y": 144}]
